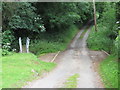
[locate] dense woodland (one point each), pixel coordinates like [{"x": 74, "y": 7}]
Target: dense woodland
[
  {"x": 51, "y": 26},
  {"x": 47, "y": 24}
]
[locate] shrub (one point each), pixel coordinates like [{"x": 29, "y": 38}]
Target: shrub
[
  {"x": 45, "y": 47},
  {"x": 53, "y": 42},
  {"x": 99, "y": 40}
]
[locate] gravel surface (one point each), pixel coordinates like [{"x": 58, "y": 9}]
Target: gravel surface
[{"x": 75, "y": 59}]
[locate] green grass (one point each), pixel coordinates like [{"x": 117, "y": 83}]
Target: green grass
[
  {"x": 53, "y": 42},
  {"x": 72, "y": 81},
  {"x": 19, "y": 68},
  {"x": 0, "y": 69},
  {"x": 109, "y": 72},
  {"x": 100, "y": 40},
  {"x": 83, "y": 33}
]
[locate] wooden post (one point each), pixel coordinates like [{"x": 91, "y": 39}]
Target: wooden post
[
  {"x": 20, "y": 44},
  {"x": 95, "y": 15},
  {"x": 27, "y": 44}
]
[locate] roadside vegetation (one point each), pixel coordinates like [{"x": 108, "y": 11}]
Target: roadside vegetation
[
  {"x": 50, "y": 27},
  {"x": 20, "y": 68},
  {"x": 53, "y": 43},
  {"x": 107, "y": 38},
  {"x": 109, "y": 71}
]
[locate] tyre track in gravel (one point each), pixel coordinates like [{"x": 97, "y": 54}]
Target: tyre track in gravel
[{"x": 73, "y": 60}]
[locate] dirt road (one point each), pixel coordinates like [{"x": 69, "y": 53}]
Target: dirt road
[{"x": 74, "y": 60}]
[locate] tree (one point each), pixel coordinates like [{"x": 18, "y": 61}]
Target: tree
[
  {"x": 57, "y": 15},
  {"x": 26, "y": 19}
]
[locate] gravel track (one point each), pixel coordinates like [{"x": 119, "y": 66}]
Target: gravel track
[{"x": 74, "y": 60}]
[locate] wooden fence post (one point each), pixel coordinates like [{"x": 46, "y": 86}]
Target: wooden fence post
[
  {"x": 27, "y": 44},
  {"x": 20, "y": 44}
]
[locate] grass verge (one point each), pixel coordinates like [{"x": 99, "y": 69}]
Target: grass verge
[
  {"x": 109, "y": 72},
  {"x": 57, "y": 41},
  {"x": 72, "y": 81},
  {"x": 22, "y": 67},
  {"x": 100, "y": 40},
  {"x": 0, "y": 69}
]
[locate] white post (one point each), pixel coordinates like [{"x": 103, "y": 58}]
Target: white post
[
  {"x": 20, "y": 44},
  {"x": 27, "y": 44}
]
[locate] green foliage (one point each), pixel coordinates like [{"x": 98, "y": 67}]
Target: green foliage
[
  {"x": 111, "y": 19},
  {"x": 109, "y": 72},
  {"x": 53, "y": 42},
  {"x": 103, "y": 39},
  {"x": 26, "y": 19},
  {"x": 8, "y": 10},
  {"x": 5, "y": 52},
  {"x": 0, "y": 68},
  {"x": 99, "y": 40},
  {"x": 22, "y": 67},
  {"x": 72, "y": 81},
  {"x": 45, "y": 47},
  {"x": 7, "y": 39},
  {"x": 116, "y": 49},
  {"x": 19, "y": 20},
  {"x": 67, "y": 14}
]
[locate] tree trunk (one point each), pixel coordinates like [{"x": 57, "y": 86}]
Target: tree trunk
[{"x": 95, "y": 15}]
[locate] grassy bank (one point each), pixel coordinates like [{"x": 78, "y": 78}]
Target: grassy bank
[
  {"x": 53, "y": 42},
  {"x": 22, "y": 67},
  {"x": 0, "y": 69},
  {"x": 109, "y": 72},
  {"x": 100, "y": 40}
]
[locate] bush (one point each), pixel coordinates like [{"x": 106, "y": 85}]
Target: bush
[
  {"x": 5, "y": 52},
  {"x": 99, "y": 40},
  {"x": 7, "y": 39},
  {"x": 103, "y": 39},
  {"x": 109, "y": 71},
  {"x": 53, "y": 42},
  {"x": 45, "y": 47}
]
